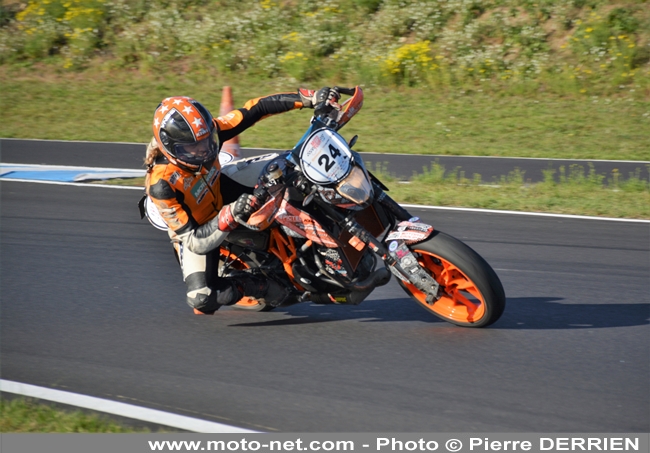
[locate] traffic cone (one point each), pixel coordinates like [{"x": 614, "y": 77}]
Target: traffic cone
[{"x": 230, "y": 149}]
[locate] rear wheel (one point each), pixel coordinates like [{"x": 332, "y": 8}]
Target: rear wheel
[
  {"x": 471, "y": 294},
  {"x": 245, "y": 303}
]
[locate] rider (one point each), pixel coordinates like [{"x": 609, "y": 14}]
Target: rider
[{"x": 198, "y": 203}]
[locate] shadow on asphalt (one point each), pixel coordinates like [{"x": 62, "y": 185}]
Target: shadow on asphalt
[
  {"x": 521, "y": 313},
  {"x": 551, "y": 313}
]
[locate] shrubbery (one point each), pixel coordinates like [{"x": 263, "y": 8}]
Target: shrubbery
[{"x": 566, "y": 46}]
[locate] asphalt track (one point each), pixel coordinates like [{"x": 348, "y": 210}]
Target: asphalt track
[
  {"x": 93, "y": 303},
  {"x": 403, "y": 166}
]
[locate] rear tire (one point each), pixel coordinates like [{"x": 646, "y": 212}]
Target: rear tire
[{"x": 471, "y": 293}]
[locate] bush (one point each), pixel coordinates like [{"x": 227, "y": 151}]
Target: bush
[
  {"x": 72, "y": 28},
  {"x": 570, "y": 47}
]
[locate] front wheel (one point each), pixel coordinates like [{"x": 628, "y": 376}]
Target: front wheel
[{"x": 471, "y": 294}]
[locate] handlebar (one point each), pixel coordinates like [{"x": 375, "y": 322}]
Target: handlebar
[
  {"x": 324, "y": 108},
  {"x": 346, "y": 91}
]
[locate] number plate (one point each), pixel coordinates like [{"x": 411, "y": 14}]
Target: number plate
[{"x": 325, "y": 157}]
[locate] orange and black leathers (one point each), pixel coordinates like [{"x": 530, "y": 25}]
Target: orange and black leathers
[{"x": 188, "y": 201}]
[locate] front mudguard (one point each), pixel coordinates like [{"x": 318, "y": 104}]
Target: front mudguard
[{"x": 409, "y": 232}]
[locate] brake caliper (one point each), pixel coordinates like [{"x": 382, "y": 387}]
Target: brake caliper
[{"x": 406, "y": 266}]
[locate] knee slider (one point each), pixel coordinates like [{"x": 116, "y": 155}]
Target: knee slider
[
  {"x": 200, "y": 299},
  {"x": 205, "y": 299}
]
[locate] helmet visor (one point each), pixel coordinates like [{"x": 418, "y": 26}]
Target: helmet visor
[{"x": 198, "y": 153}]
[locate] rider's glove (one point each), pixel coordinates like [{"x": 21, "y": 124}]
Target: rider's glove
[
  {"x": 310, "y": 98},
  {"x": 238, "y": 212}
]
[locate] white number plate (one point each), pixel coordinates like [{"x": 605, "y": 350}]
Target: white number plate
[{"x": 325, "y": 157}]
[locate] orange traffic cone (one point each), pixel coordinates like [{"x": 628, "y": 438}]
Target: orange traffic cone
[{"x": 230, "y": 149}]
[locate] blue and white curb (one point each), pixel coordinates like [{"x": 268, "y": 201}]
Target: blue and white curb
[{"x": 60, "y": 173}]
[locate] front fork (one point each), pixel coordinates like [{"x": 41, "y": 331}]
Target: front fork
[{"x": 398, "y": 256}]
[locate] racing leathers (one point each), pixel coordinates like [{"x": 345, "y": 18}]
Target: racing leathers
[{"x": 194, "y": 205}]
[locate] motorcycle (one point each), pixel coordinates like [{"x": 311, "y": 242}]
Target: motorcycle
[{"x": 329, "y": 232}]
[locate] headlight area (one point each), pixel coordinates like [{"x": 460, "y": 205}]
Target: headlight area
[{"x": 356, "y": 186}]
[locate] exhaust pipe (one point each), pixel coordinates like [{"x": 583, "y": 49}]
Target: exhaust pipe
[
  {"x": 380, "y": 277},
  {"x": 357, "y": 292}
]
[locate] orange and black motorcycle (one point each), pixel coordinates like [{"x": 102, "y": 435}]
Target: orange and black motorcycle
[{"x": 328, "y": 231}]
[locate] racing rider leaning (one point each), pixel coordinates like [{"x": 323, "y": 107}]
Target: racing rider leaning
[{"x": 198, "y": 203}]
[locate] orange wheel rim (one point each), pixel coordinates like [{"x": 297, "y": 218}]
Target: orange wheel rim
[{"x": 460, "y": 300}]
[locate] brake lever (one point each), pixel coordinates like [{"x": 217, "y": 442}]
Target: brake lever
[
  {"x": 335, "y": 105},
  {"x": 308, "y": 199}
]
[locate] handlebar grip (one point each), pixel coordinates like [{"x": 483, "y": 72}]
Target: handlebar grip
[
  {"x": 346, "y": 91},
  {"x": 261, "y": 193}
]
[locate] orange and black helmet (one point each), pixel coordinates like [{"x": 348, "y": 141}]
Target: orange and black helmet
[{"x": 186, "y": 132}]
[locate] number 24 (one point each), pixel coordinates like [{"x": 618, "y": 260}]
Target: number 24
[{"x": 324, "y": 159}]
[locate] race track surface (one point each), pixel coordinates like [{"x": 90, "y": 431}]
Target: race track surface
[{"x": 93, "y": 302}]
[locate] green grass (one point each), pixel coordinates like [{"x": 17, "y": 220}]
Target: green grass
[
  {"x": 577, "y": 191},
  {"x": 25, "y": 415},
  {"x": 118, "y": 106}
]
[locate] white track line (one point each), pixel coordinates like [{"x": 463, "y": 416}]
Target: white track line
[
  {"x": 537, "y": 214},
  {"x": 442, "y": 208},
  {"x": 122, "y": 409},
  {"x": 78, "y": 184},
  {"x": 560, "y": 159},
  {"x": 488, "y": 211}
]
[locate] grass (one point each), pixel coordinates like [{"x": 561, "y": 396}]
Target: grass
[
  {"x": 26, "y": 415},
  {"x": 577, "y": 191},
  {"x": 96, "y": 106},
  {"x": 118, "y": 106}
]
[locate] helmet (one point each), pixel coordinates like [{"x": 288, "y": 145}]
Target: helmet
[{"x": 185, "y": 132}]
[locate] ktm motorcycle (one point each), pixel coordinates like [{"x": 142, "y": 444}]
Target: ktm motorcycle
[{"x": 329, "y": 232}]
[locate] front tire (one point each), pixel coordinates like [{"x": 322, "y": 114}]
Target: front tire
[{"x": 471, "y": 294}]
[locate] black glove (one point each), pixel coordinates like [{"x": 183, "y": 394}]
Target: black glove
[
  {"x": 238, "y": 212},
  {"x": 311, "y": 98},
  {"x": 245, "y": 205}
]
